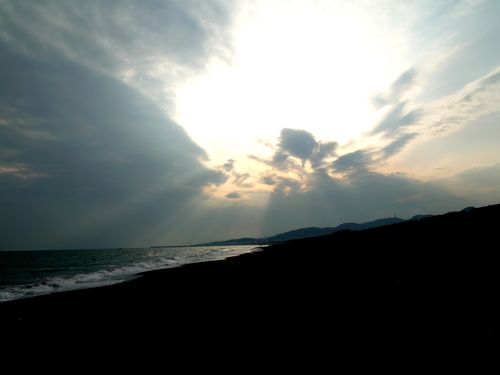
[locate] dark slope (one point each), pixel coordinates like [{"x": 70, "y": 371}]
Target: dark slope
[{"x": 419, "y": 295}]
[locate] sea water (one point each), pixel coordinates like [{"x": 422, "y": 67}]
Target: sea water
[{"x": 26, "y": 274}]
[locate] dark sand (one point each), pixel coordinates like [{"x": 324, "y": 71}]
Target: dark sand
[{"x": 416, "y": 295}]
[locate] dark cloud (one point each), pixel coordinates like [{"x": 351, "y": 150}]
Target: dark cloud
[
  {"x": 241, "y": 178},
  {"x": 285, "y": 186},
  {"x": 280, "y": 160},
  {"x": 324, "y": 150},
  {"x": 229, "y": 165},
  {"x": 317, "y": 198},
  {"x": 112, "y": 34},
  {"x": 233, "y": 195},
  {"x": 396, "y": 119},
  {"x": 328, "y": 201},
  {"x": 397, "y": 145},
  {"x": 238, "y": 179},
  {"x": 357, "y": 161},
  {"x": 361, "y": 197},
  {"x": 269, "y": 180},
  {"x": 85, "y": 160},
  {"x": 399, "y": 117},
  {"x": 298, "y": 144},
  {"x": 282, "y": 185},
  {"x": 479, "y": 184},
  {"x": 362, "y": 161}
]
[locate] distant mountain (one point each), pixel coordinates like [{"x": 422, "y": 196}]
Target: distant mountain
[
  {"x": 419, "y": 217},
  {"x": 237, "y": 241},
  {"x": 311, "y": 232},
  {"x": 315, "y": 232}
]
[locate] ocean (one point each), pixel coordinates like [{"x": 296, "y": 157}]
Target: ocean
[{"x": 25, "y": 274}]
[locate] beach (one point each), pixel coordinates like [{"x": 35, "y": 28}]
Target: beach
[{"x": 413, "y": 294}]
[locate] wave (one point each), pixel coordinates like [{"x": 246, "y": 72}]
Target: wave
[
  {"x": 81, "y": 281},
  {"x": 115, "y": 275}
]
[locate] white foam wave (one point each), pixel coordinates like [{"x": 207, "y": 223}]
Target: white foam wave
[
  {"x": 82, "y": 281},
  {"x": 118, "y": 274}
]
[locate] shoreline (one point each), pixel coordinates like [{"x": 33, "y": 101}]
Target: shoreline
[
  {"x": 352, "y": 294},
  {"x": 69, "y": 284}
]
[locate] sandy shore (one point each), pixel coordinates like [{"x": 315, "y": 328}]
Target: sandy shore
[{"x": 415, "y": 294}]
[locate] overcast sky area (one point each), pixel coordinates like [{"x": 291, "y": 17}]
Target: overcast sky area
[{"x": 137, "y": 123}]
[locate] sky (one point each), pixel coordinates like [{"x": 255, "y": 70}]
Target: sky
[{"x": 162, "y": 122}]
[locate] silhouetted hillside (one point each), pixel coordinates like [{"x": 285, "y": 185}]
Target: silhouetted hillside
[
  {"x": 419, "y": 217},
  {"x": 307, "y": 233}
]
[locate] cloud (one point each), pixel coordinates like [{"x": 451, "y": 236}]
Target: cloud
[
  {"x": 112, "y": 33},
  {"x": 280, "y": 160},
  {"x": 229, "y": 165},
  {"x": 269, "y": 180},
  {"x": 87, "y": 161},
  {"x": 325, "y": 202},
  {"x": 405, "y": 122},
  {"x": 396, "y": 119},
  {"x": 394, "y": 125},
  {"x": 142, "y": 42},
  {"x": 18, "y": 171},
  {"x": 364, "y": 160},
  {"x": 404, "y": 82},
  {"x": 479, "y": 184},
  {"x": 490, "y": 79},
  {"x": 476, "y": 99},
  {"x": 361, "y": 197},
  {"x": 324, "y": 150},
  {"x": 357, "y": 161},
  {"x": 240, "y": 179},
  {"x": 397, "y": 145},
  {"x": 397, "y": 89},
  {"x": 298, "y": 144},
  {"x": 287, "y": 185}
]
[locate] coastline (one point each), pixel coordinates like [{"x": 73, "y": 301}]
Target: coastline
[{"x": 422, "y": 290}]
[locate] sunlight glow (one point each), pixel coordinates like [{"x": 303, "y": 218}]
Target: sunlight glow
[{"x": 298, "y": 65}]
